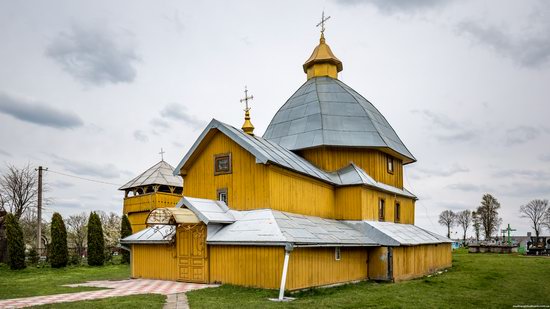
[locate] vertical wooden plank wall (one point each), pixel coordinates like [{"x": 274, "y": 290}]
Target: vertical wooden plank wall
[
  {"x": 349, "y": 203},
  {"x": 154, "y": 262},
  {"x": 137, "y": 220},
  {"x": 378, "y": 263},
  {"x": 416, "y": 261},
  {"x": 370, "y": 206},
  {"x": 310, "y": 267},
  {"x": 247, "y": 185},
  {"x": 371, "y": 160},
  {"x": 295, "y": 193},
  {"x": 252, "y": 266},
  {"x": 360, "y": 203},
  {"x": 138, "y": 207}
]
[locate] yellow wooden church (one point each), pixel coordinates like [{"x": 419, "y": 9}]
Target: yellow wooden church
[{"x": 317, "y": 200}]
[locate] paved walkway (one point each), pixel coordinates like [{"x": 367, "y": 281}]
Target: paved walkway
[
  {"x": 115, "y": 288},
  {"x": 176, "y": 301}
]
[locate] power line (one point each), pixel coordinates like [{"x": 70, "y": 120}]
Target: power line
[{"x": 86, "y": 179}]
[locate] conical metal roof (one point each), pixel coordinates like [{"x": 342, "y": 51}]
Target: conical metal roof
[
  {"x": 158, "y": 174},
  {"x": 326, "y": 112}
]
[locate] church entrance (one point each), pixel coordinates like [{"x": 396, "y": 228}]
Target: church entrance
[{"x": 192, "y": 253}]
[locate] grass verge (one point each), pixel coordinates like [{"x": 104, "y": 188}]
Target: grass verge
[
  {"x": 474, "y": 281},
  {"x": 45, "y": 281}
]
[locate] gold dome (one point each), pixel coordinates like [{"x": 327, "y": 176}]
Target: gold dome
[{"x": 322, "y": 62}]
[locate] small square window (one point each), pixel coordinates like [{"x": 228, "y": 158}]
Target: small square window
[
  {"x": 222, "y": 195},
  {"x": 390, "y": 164},
  {"x": 397, "y": 212},
  {"x": 222, "y": 164},
  {"x": 337, "y": 254},
  {"x": 381, "y": 209}
]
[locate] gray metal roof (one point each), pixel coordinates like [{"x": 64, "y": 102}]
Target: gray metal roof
[
  {"x": 158, "y": 234},
  {"x": 354, "y": 175},
  {"x": 161, "y": 173},
  {"x": 395, "y": 234},
  {"x": 325, "y": 111},
  {"x": 264, "y": 151},
  {"x": 268, "y": 152},
  {"x": 208, "y": 211},
  {"x": 272, "y": 227}
]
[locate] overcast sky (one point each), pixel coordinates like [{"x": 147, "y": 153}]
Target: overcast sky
[{"x": 95, "y": 89}]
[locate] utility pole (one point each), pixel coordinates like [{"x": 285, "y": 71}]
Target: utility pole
[{"x": 39, "y": 212}]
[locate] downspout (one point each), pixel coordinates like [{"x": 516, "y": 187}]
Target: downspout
[{"x": 288, "y": 249}]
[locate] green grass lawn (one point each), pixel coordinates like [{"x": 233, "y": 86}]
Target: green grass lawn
[
  {"x": 34, "y": 281},
  {"x": 474, "y": 281}
]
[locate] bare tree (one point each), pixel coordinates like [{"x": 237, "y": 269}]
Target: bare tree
[
  {"x": 464, "y": 218},
  {"x": 488, "y": 215},
  {"x": 476, "y": 224},
  {"x": 111, "y": 228},
  {"x": 546, "y": 221},
  {"x": 77, "y": 228},
  {"x": 536, "y": 211},
  {"x": 28, "y": 225},
  {"x": 447, "y": 218},
  {"x": 19, "y": 189}
]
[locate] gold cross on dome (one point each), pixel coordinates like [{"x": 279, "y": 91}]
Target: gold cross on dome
[
  {"x": 161, "y": 153},
  {"x": 322, "y": 22},
  {"x": 246, "y": 98}
]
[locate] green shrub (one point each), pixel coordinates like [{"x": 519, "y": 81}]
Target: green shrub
[
  {"x": 96, "y": 243},
  {"x": 125, "y": 231},
  {"x": 59, "y": 254},
  {"x": 33, "y": 256},
  {"x": 75, "y": 259},
  {"x": 16, "y": 245}
]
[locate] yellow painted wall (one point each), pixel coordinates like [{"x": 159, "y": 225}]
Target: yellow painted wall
[
  {"x": 247, "y": 185},
  {"x": 261, "y": 266},
  {"x": 416, "y": 261},
  {"x": 137, "y": 220},
  {"x": 309, "y": 267},
  {"x": 295, "y": 193},
  {"x": 361, "y": 203},
  {"x": 378, "y": 263},
  {"x": 349, "y": 201},
  {"x": 255, "y": 186},
  {"x": 150, "y": 201},
  {"x": 138, "y": 207},
  {"x": 371, "y": 160},
  {"x": 370, "y": 200},
  {"x": 247, "y": 265},
  {"x": 154, "y": 262}
]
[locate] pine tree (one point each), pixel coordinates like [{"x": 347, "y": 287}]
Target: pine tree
[
  {"x": 16, "y": 245},
  {"x": 59, "y": 253},
  {"x": 96, "y": 243},
  {"x": 125, "y": 231}
]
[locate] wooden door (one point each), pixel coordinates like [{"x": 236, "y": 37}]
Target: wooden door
[{"x": 192, "y": 253}]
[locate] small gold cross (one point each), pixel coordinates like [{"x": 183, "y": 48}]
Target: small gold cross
[
  {"x": 322, "y": 22},
  {"x": 246, "y": 98}
]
